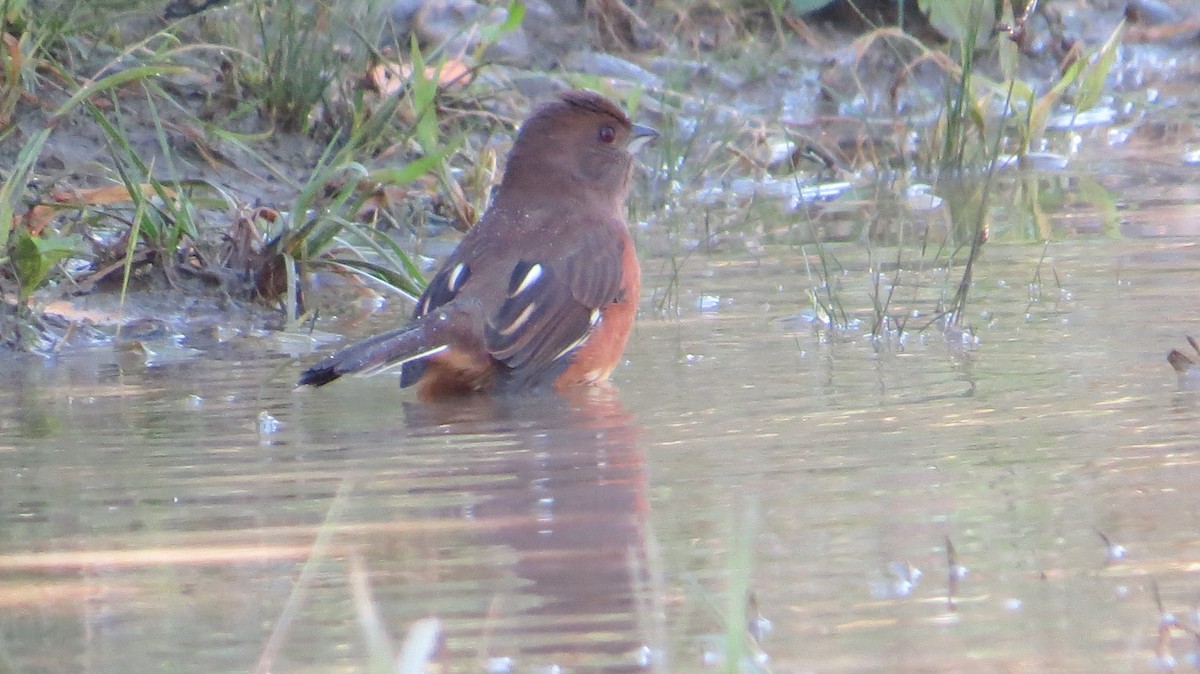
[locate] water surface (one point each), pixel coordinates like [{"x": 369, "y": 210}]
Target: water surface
[{"x": 153, "y": 521}]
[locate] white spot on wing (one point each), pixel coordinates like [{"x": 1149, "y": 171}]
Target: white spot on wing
[
  {"x": 531, "y": 277},
  {"x": 572, "y": 346},
  {"x": 455, "y": 277},
  {"x": 594, "y": 319},
  {"x": 519, "y": 320}
]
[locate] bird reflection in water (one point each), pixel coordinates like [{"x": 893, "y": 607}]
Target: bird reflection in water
[{"x": 565, "y": 507}]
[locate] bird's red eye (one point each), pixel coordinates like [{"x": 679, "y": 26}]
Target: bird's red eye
[{"x": 607, "y": 134}]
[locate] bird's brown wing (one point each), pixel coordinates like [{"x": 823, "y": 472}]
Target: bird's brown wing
[{"x": 553, "y": 303}]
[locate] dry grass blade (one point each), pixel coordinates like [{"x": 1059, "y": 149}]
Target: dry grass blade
[
  {"x": 316, "y": 554},
  {"x": 379, "y": 643}
]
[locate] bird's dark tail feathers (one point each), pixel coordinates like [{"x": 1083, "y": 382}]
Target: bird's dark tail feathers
[
  {"x": 452, "y": 326},
  {"x": 371, "y": 356}
]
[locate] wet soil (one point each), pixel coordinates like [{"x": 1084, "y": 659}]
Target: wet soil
[{"x": 752, "y": 118}]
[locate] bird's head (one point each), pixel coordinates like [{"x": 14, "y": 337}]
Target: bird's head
[{"x": 581, "y": 140}]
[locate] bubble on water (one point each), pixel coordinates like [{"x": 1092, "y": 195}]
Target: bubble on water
[
  {"x": 544, "y": 511},
  {"x": 646, "y": 656},
  {"x": 1116, "y": 552},
  {"x": 708, "y": 302},
  {"x": 898, "y": 580},
  {"x": 267, "y": 424}
]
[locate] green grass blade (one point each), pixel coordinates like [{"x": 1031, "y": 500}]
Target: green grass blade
[
  {"x": 115, "y": 80},
  {"x": 14, "y": 186},
  {"x": 394, "y": 281}
]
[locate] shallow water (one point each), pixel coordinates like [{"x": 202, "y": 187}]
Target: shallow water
[{"x": 153, "y": 521}]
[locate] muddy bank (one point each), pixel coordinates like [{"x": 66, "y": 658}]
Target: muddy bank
[{"x": 780, "y": 128}]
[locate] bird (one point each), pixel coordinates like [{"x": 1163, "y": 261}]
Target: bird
[{"x": 541, "y": 293}]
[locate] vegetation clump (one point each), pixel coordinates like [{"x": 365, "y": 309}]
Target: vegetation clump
[{"x": 245, "y": 148}]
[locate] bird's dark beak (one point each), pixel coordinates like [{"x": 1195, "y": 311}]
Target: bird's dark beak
[{"x": 640, "y": 137}]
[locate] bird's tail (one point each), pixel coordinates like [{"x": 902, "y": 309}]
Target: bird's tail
[{"x": 425, "y": 337}]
